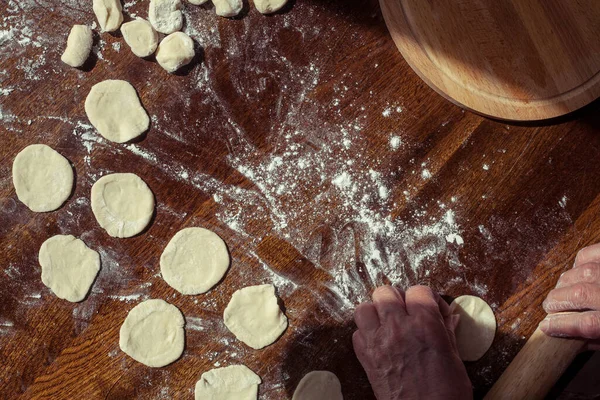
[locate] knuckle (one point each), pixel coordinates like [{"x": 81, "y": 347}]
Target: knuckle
[
  {"x": 580, "y": 294},
  {"x": 590, "y": 272},
  {"x": 589, "y": 325}
]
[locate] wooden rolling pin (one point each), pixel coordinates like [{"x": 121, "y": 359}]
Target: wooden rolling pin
[{"x": 537, "y": 367}]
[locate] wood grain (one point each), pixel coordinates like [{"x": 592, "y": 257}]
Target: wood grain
[
  {"x": 323, "y": 79},
  {"x": 515, "y": 60}
]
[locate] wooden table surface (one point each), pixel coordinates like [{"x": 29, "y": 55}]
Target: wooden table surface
[{"x": 307, "y": 143}]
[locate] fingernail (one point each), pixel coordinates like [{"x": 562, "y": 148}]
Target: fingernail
[{"x": 544, "y": 325}]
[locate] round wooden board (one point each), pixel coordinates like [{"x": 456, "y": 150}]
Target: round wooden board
[{"x": 512, "y": 59}]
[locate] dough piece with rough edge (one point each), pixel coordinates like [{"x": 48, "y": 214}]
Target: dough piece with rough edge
[
  {"x": 235, "y": 382},
  {"x": 269, "y": 6},
  {"x": 109, "y": 14},
  {"x": 115, "y": 110},
  {"x": 69, "y": 267},
  {"x": 254, "y": 317},
  {"x": 319, "y": 385},
  {"x": 140, "y": 36},
  {"x": 43, "y": 178},
  {"x": 153, "y": 333},
  {"x": 175, "y": 51},
  {"x": 79, "y": 46},
  {"x": 123, "y": 204},
  {"x": 194, "y": 261},
  {"x": 228, "y": 8},
  {"x": 165, "y": 15},
  {"x": 476, "y": 329}
]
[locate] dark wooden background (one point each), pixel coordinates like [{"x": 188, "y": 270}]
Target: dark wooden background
[{"x": 320, "y": 84}]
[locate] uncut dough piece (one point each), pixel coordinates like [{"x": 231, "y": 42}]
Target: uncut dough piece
[
  {"x": 123, "y": 204},
  {"x": 165, "y": 15},
  {"x": 254, "y": 316},
  {"x": 79, "y": 46},
  {"x": 269, "y": 6},
  {"x": 228, "y": 8},
  {"x": 109, "y": 14},
  {"x": 113, "y": 107},
  {"x": 236, "y": 382},
  {"x": 140, "y": 36},
  {"x": 175, "y": 51},
  {"x": 197, "y": 2},
  {"x": 194, "y": 261},
  {"x": 69, "y": 267},
  {"x": 319, "y": 385},
  {"x": 43, "y": 179},
  {"x": 153, "y": 333},
  {"x": 476, "y": 329}
]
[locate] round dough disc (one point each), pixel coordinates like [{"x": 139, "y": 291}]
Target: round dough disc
[
  {"x": 69, "y": 267},
  {"x": 43, "y": 178},
  {"x": 113, "y": 107},
  {"x": 236, "y": 382},
  {"x": 122, "y": 204},
  {"x": 194, "y": 261},
  {"x": 254, "y": 316},
  {"x": 153, "y": 333},
  {"x": 319, "y": 385},
  {"x": 477, "y": 327}
]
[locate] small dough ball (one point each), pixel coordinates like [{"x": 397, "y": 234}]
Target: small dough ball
[
  {"x": 79, "y": 46},
  {"x": 476, "y": 329},
  {"x": 109, "y": 14},
  {"x": 319, "y": 385},
  {"x": 228, "y": 8},
  {"x": 43, "y": 178},
  {"x": 123, "y": 204},
  {"x": 235, "y": 382},
  {"x": 194, "y": 261},
  {"x": 175, "y": 51},
  {"x": 69, "y": 267},
  {"x": 269, "y": 6},
  {"x": 254, "y": 316},
  {"x": 140, "y": 36},
  {"x": 165, "y": 15},
  {"x": 113, "y": 107},
  {"x": 197, "y": 2},
  {"x": 153, "y": 333}
]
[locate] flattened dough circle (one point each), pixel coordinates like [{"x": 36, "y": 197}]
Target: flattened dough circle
[
  {"x": 69, "y": 267},
  {"x": 122, "y": 203},
  {"x": 476, "y": 329},
  {"x": 153, "y": 333},
  {"x": 254, "y": 317},
  {"x": 235, "y": 382},
  {"x": 43, "y": 178},
  {"x": 194, "y": 261},
  {"x": 319, "y": 385},
  {"x": 113, "y": 107}
]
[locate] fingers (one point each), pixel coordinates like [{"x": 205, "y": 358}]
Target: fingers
[
  {"x": 580, "y": 296},
  {"x": 588, "y": 254},
  {"x": 584, "y": 325},
  {"x": 389, "y": 303},
  {"x": 421, "y": 299},
  {"x": 366, "y": 318},
  {"x": 587, "y": 273}
]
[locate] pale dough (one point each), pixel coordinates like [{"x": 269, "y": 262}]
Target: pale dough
[
  {"x": 153, "y": 333},
  {"x": 228, "y": 8},
  {"x": 122, "y": 204},
  {"x": 236, "y": 382},
  {"x": 254, "y": 317},
  {"x": 269, "y": 6},
  {"x": 43, "y": 178},
  {"x": 197, "y": 2},
  {"x": 109, "y": 14},
  {"x": 113, "y": 107},
  {"x": 79, "y": 46},
  {"x": 476, "y": 329},
  {"x": 194, "y": 261},
  {"x": 69, "y": 267},
  {"x": 319, "y": 385},
  {"x": 140, "y": 36},
  {"x": 175, "y": 51},
  {"x": 165, "y": 15}
]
